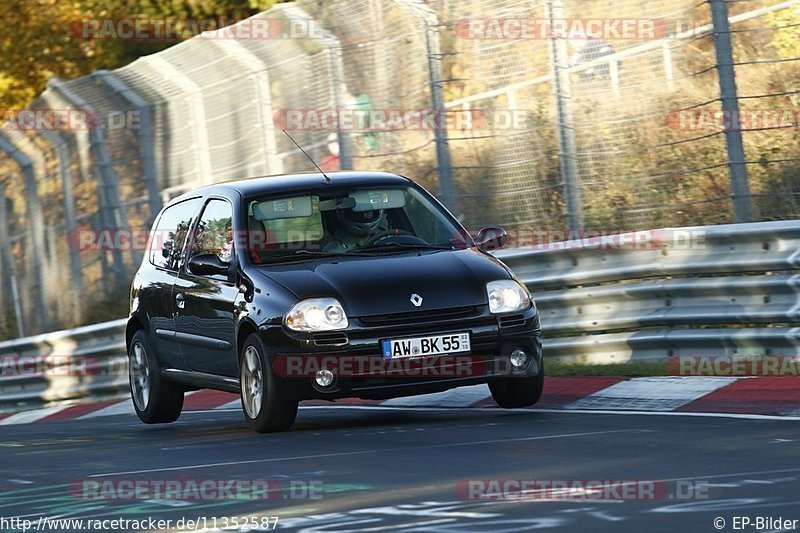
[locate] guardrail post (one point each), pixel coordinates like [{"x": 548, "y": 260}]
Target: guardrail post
[
  {"x": 793, "y": 334},
  {"x": 567, "y": 149},
  {"x": 116, "y": 218},
  {"x": 740, "y": 189},
  {"x": 36, "y": 228},
  {"x": 145, "y": 134}
]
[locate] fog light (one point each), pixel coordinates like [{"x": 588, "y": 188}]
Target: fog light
[
  {"x": 324, "y": 378},
  {"x": 518, "y": 358}
]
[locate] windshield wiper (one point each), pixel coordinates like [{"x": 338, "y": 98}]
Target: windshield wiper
[
  {"x": 300, "y": 255},
  {"x": 407, "y": 246}
]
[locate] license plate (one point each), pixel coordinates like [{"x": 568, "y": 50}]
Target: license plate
[{"x": 421, "y": 346}]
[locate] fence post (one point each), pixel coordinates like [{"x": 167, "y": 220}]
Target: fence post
[
  {"x": 567, "y": 149},
  {"x": 145, "y": 134},
  {"x": 260, "y": 76},
  {"x": 83, "y": 145},
  {"x": 444, "y": 163},
  {"x": 116, "y": 217},
  {"x": 9, "y": 268},
  {"x": 669, "y": 74},
  {"x": 197, "y": 107},
  {"x": 336, "y": 68},
  {"x": 62, "y": 152},
  {"x": 333, "y": 51},
  {"x": 17, "y": 306},
  {"x": 740, "y": 189},
  {"x": 36, "y": 228}
]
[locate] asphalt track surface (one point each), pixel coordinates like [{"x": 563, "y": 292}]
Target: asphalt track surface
[{"x": 385, "y": 469}]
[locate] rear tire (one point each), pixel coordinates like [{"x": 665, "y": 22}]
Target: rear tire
[
  {"x": 267, "y": 408},
  {"x": 155, "y": 400},
  {"x": 511, "y": 393}
]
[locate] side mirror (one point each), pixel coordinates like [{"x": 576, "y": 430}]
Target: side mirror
[
  {"x": 207, "y": 265},
  {"x": 491, "y": 238}
]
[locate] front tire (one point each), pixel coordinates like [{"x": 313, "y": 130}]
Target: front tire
[
  {"x": 266, "y": 406},
  {"x": 511, "y": 393},
  {"x": 155, "y": 400}
]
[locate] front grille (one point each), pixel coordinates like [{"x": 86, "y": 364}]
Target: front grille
[
  {"x": 512, "y": 321},
  {"x": 416, "y": 317},
  {"x": 330, "y": 339}
]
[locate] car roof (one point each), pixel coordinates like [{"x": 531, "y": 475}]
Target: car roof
[{"x": 291, "y": 183}]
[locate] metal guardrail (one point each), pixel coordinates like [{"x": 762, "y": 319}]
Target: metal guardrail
[
  {"x": 716, "y": 290},
  {"x": 64, "y": 365}
]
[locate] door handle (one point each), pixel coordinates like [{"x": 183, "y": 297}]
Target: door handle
[{"x": 180, "y": 300}]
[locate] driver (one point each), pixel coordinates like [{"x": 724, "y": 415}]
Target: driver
[{"x": 355, "y": 229}]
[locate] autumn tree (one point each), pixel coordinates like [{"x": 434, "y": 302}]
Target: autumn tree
[{"x": 38, "y": 38}]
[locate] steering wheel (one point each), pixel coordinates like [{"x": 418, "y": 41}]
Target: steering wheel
[{"x": 389, "y": 234}]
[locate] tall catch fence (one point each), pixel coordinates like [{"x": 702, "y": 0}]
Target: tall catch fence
[{"x": 538, "y": 115}]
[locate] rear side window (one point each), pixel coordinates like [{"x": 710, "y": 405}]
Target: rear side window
[{"x": 170, "y": 234}]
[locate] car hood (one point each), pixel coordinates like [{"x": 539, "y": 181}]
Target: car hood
[{"x": 384, "y": 284}]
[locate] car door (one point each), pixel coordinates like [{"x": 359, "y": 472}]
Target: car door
[
  {"x": 156, "y": 291},
  {"x": 204, "y": 314}
]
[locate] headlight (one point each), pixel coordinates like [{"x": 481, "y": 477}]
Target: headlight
[
  {"x": 316, "y": 314},
  {"x": 506, "y": 296}
]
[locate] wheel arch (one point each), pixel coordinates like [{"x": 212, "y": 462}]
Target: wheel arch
[
  {"x": 135, "y": 323},
  {"x": 246, "y": 328}
]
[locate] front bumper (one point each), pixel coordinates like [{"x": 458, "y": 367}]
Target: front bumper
[{"x": 355, "y": 357}]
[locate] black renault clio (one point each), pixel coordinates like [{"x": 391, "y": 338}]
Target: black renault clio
[{"x": 314, "y": 286}]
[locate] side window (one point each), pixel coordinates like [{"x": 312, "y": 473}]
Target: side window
[
  {"x": 170, "y": 234},
  {"x": 215, "y": 231}
]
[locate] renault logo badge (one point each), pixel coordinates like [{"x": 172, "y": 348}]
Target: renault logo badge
[{"x": 416, "y": 300}]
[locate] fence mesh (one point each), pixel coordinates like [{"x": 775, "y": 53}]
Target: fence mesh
[{"x": 632, "y": 116}]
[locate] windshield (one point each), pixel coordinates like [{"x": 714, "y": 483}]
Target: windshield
[{"x": 348, "y": 221}]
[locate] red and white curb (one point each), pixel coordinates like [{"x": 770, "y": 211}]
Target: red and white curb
[{"x": 761, "y": 396}]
